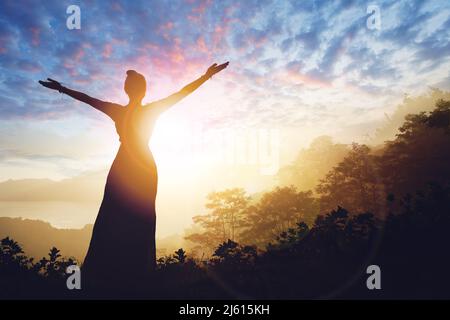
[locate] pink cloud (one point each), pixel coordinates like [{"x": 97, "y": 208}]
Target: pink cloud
[
  {"x": 293, "y": 77},
  {"x": 201, "y": 45},
  {"x": 35, "y": 36},
  {"x": 199, "y": 11},
  {"x": 202, "y": 7},
  {"x": 72, "y": 62},
  {"x": 107, "y": 50}
]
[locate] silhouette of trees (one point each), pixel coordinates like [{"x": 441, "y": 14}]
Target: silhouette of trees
[
  {"x": 231, "y": 252},
  {"x": 354, "y": 183},
  {"x": 20, "y": 276},
  {"x": 290, "y": 236},
  {"x": 55, "y": 265},
  {"x": 180, "y": 256},
  {"x": 420, "y": 154},
  {"x": 327, "y": 259},
  {"x": 12, "y": 257}
]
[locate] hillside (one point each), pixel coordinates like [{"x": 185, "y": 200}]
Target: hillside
[
  {"x": 86, "y": 187},
  {"x": 37, "y": 237}
]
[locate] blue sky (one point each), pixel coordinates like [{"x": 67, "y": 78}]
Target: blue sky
[{"x": 307, "y": 67}]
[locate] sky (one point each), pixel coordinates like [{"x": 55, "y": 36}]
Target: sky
[{"x": 298, "y": 70}]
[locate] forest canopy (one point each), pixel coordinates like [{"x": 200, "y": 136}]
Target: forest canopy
[{"x": 328, "y": 175}]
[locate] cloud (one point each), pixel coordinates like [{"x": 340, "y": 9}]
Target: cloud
[{"x": 288, "y": 59}]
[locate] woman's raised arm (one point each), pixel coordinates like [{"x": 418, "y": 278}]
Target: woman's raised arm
[
  {"x": 164, "y": 104},
  {"x": 108, "y": 108}
]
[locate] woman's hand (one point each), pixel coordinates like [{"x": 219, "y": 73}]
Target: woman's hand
[
  {"x": 51, "y": 84},
  {"x": 215, "y": 69}
]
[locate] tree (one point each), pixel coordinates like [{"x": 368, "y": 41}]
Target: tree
[
  {"x": 55, "y": 266},
  {"x": 232, "y": 253},
  {"x": 354, "y": 183},
  {"x": 420, "y": 154},
  {"x": 180, "y": 256},
  {"x": 277, "y": 211},
  {"x": 12, "y": 257},
  {"x": 289, "y": 237},
  {"x": 225, "y": 218}
]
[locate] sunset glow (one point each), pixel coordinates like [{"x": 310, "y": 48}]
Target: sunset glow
[{"x": 300, "y": 69}]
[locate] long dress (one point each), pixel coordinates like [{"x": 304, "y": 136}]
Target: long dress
[{"x": 122, "y": 250}]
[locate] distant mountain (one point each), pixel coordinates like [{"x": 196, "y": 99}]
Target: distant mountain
[
  {"x": 37, "y": 237},
  {"x": 87, "y": 187}
]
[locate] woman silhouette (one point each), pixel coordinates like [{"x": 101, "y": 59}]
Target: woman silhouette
[{"x": 122, "y": 249}]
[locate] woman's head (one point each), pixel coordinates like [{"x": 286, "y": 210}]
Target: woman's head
[{"x": 135, "y": 85}]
